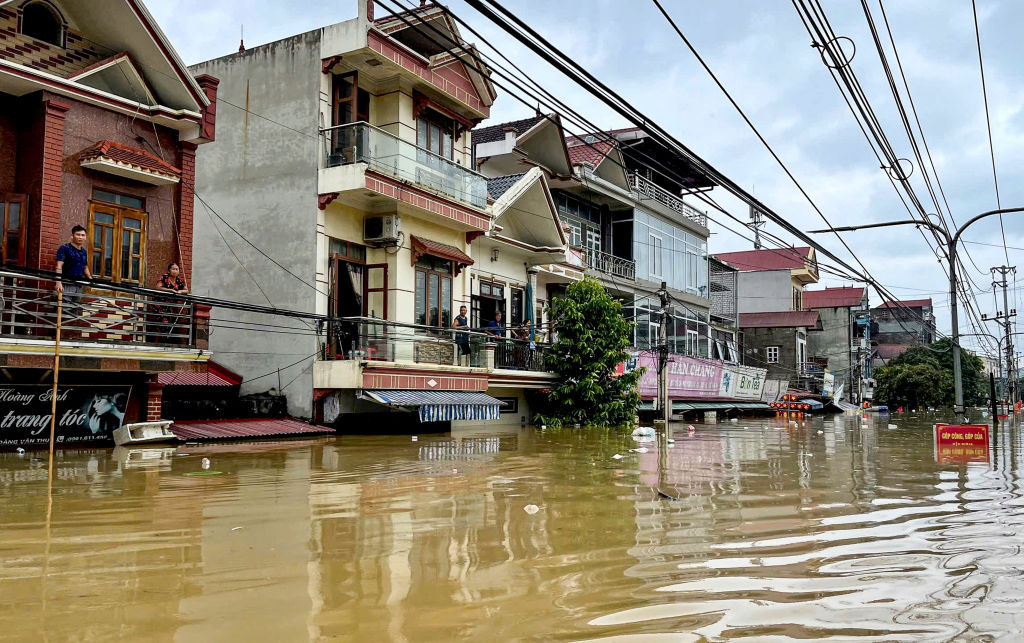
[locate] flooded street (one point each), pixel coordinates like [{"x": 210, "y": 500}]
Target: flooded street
[{"x": 756, "y": 529}]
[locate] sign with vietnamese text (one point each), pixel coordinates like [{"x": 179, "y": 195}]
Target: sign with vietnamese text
[
  {"x": 85, "y": 414},
  {"x": 828, "y": 384},
  {"x": 742, "y": 382},
  {"x": 961, "y": 442},
  {"x": 688, "y": 377}
]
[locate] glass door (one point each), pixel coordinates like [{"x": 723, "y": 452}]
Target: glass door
[{"x": 13, "y": 212}]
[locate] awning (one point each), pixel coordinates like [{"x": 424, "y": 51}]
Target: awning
[
  {"x": 814, "y": 404},
  {"x": 421, "y": 246},
  {"x": 209, "y": 378},
  {"x": 711, "y": 406},
  {"x": 760, "y": 406},
  {"x": 439, "y": 406},
  {"x": 244, "y": 428}
]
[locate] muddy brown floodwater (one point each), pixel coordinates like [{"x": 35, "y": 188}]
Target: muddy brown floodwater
[{"x": 757, "y": 529}]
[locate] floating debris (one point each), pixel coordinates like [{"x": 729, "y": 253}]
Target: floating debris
[
  {"x": 205, "y": 463},
  {"x": 531, "y": 509},
  {"x": 639, "y": 450},
  {"x": 616, "y": 457},
  {"x": 415, "y": 438},
  {"x": 643, "y": 431}
]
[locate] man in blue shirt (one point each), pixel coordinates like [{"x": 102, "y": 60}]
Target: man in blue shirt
[
  {"x": 495, "y": 327},
  {"x": 73, "y": 263}
]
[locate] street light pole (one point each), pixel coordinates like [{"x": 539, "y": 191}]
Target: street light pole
[{"x": 951, "y": 241}]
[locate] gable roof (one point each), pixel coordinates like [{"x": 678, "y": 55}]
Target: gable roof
[
  {"x": 130, "y": 158},
  {"x": 581, "y": 152},
  {"x": 846, "y": 297},
  {"x": 775, "y": 259},
  {"x": 908, "y": 303},
  {"x": 493, "y": 133},
  {"x": 499, "y": 185},
  {"x": 781, "y": 319}
]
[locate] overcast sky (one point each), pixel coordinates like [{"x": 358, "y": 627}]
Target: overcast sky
[{"x": 762, "y": 54}]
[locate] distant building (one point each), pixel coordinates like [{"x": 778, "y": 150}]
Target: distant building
[
  {"x": 839, "y": 345},
  {"x": 900, "y": 325},
  {"x": 778, "y": 341}
]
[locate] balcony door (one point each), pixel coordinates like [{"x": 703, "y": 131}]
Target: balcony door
[
  {"x": 349, "y": 104},
  {"x": 14, "y": 214}
]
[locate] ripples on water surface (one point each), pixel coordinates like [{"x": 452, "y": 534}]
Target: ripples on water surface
[{"x": 770, "y": 530}]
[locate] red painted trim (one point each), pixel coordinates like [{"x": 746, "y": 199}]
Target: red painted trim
[
  {"x": 324, "y": 200},
  {"x": 151, "y": 111},
  {"x": 328, "y": 63},
  {"x": 424, "y": 200}
]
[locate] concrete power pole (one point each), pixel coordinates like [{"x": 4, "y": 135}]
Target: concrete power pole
[
  {"x": 756, "y": 223},
  {"x": 664, "y": 404},
  {"x": 1004, "y": 317}
]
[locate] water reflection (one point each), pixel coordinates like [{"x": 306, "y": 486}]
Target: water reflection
[{"x": 774, "y": 528}]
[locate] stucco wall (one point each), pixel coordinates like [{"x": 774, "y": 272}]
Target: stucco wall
[
  {"x": 755, "y": 340},
  {"x": 764, "y": 291},
  {"x": 833, "y": 342},
  {"x": 261, "y": 176}
]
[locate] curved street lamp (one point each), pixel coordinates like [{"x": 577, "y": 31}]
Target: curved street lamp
[{"x": 951, "y": 242}]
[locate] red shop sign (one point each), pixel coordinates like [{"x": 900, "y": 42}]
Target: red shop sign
[{"x": 961, "y": 442}]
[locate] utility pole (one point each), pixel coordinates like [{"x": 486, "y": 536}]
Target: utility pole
[
  {"x": 664, "y": 405},
  {"x": 756, "y": 223},
  {"x": 1004, "y": 317}
]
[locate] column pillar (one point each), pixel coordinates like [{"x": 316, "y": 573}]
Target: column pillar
[
  {"x": 154, "y": 401},
  {"x": 50, "y": 233},
  {"x": 186, "y": 206}
]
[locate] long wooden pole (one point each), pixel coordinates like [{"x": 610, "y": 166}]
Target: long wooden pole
[{"x": 56, "y": 371}]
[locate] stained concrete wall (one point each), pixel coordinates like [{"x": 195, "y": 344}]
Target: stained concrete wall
[
  {"x": 260, "y": 175},
  {"x": 755, "y": 340},
  {"x": 764, "y": 291},
  {"x": 834, "y": 343}
]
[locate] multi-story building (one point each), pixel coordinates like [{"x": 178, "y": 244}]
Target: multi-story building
[
  {"x": 723, "y": 285},
  {"x": 772, "y": 316},
  {"x": 351, "y": 165},
  {"x": 840, "y": 346},
  {"x": 99, "y": 124},
  {"x": 903, "y": 323}
]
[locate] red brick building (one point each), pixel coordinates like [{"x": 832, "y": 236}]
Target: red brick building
[{"x": 99, "y": 124}]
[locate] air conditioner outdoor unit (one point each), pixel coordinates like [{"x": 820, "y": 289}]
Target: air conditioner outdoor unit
[{"x": 382, "y": 229}]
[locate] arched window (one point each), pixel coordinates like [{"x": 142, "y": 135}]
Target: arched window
[{"x": 41, "y": 21}]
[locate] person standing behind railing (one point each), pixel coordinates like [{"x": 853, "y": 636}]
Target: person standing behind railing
[
  {"x": 73, "y": 263},
  {"x": 170, "y": 312},
  {"x": 462, "y": 337},
  {"x": 495, "y": 328}
]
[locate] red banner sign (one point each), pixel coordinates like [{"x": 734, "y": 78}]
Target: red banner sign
[{"x": 961, "y": 442}]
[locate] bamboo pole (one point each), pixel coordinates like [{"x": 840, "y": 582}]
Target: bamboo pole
[{"x": 56, "y": 370}]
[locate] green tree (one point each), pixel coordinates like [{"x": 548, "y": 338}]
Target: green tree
[
  {"x": 901, "y": 382},
  {"x": 592, "y": 340}
]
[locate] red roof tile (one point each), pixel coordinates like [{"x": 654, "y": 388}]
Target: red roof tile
[
  {"x": 909, "y": 303},
  {"x": 421, "y": 246},
  {"x": 889, "y": 351},
  {"x": 247, "y": 428},
  {"x": 140, "y": 159},
  {"x": 581, "y": 152},
  {"x": 775, "y": 259},
  {"x": 833, "y": 297},
  {"x": 781, "y": 319}
]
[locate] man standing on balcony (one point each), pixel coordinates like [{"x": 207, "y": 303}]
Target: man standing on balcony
[
  {"x": 495, "y": 327},
  {"x": 462, "y": 337},
  {"x": 73, "y": 263}
]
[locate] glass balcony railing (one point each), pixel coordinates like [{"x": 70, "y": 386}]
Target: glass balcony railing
[{"x": 388, "y": 154}]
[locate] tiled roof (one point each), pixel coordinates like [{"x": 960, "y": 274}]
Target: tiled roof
[
  {"x": 775, "y": 259},
  {"x": 499, "y": 185},
  {"x": 421, "y": 246},
  {"x": 848, "y": 297},
  {"x": 580, "y": 152},
  {"x": 781, "y": 319},
  {"x": 909, "y": 303},
  {"x": 215, "y": 375},
  {"x": 248, "y": 428},
  {"x": 139, "y": 159},
  {"x": 889, "y": 351},
  {"x": 497, "y": 132}
]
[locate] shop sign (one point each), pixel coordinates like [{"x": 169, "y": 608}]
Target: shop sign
[
  {"x": 85, "y": 414},
  {"x": 961, "y": 442}
]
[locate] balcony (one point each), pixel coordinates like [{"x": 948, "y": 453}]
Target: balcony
[
  {"x": 647, "y": 189},
  {"x": 373, "y": 353},
  {"x": 103, "y": 320},
  {"x": 609, "y": 264},
  {"x": 387, "y": 154}
]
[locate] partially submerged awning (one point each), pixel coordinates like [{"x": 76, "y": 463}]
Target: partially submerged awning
[
  {"x": 244, "y": 428},
  {"x": 439, "y": 406}
]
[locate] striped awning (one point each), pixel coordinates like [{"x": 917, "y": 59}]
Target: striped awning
[{"x": 439, "y": 406}]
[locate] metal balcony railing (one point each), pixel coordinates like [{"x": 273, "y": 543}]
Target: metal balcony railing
[
  {"x": 369, "y": 339},
  {"x": 103, "y": 314},
  {"x": 389, "y": 154},
  {"x": 611, "y": 265},
  {"x": 647, "y": 189}
]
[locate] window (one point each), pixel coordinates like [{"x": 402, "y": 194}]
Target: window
[
  {"x": 41, "y": 21},
  {"x": 771, "y": 354},
  {"x": 491, "y": 289},
  {"x": 657, "y": 260},
  {"x": 350, "y": 103},
  {"x": 13, "y": 215},
  {"x": 117, "y": 238},
  {"x": 593, "y": 241},
  {"x": 436, "y": 133},
  {"x": 801, "y": 351},
  {"x": 433, "y": 291},
  {"x": 518, "y": 298},
  {"x": 798, "y": 299},
  {"x": 575, "y": 233}
]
